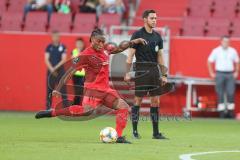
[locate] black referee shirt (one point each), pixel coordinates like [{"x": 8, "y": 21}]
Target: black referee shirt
[
  {"x": 55, "y": 53},
  {"x": 149, "y": 52}
]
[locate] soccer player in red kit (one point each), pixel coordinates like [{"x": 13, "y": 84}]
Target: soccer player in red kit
[{"x": 97, "y": 92}]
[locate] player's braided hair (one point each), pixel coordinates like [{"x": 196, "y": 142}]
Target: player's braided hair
[{"x": 96, "y": 32}]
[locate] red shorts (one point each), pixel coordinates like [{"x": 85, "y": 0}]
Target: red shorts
[{"x": 95, "y": 98}]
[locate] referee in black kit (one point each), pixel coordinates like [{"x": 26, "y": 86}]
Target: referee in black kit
[{"x": 150, "y": 73}]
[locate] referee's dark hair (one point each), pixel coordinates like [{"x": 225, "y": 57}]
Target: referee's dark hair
[
  {"x": 147, "y": 12},
  {"x": 96, "y": 32}
]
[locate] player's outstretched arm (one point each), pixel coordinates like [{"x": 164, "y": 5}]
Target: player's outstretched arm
[{"x": 126, "y": 44}]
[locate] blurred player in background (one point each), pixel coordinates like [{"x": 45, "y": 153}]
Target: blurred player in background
[
  {"x": 227, "y": 68},
  {"x": 78, "y": 77},
  {"x": 149, "y": 59},
  {"x": 97, "y": 93},
  {"x": 55, "y": 57}
]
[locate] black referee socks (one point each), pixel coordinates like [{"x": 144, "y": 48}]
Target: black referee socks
[
  {"x": 154, "y": 117},
  {"x": 135, "y": 117}
]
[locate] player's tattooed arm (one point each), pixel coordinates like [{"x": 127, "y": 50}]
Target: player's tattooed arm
[{"x": 126, "y": 44}]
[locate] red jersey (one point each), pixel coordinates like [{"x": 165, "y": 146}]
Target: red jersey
[{"x": 96, "y": 65}]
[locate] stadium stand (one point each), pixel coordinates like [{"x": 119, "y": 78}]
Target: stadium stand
[
  {"x": 236, "y": 31},
  {"x": 16, "y": 6},
  {"x": 170, "y": 13},
  {"x": 219, "y": 18},
  {"x": 36, "y": 22},
  {"x": 218, "y": 27},
  {"x": 107, "y": 20},
  {"x": 211, "y": 18},
  {"x": 192, "y": 26},
  {"x": 11, "y": 22},
  {"x": 84, "y": 23},
  {"x": 60, "y": 22},
  {"x": 2, "y": 6}
]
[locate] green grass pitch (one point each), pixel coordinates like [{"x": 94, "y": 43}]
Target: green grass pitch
[{"x": 24, "y": 138}]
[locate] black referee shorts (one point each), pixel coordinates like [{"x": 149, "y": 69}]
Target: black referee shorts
[{"x": 148, "y": 80}]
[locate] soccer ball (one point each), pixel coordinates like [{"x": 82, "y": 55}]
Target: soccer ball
[{"x": 108, "y": 135}]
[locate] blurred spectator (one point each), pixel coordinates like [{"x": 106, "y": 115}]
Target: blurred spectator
[
  {"x": 78, "y": 77},
  {"x": 55, "y": 57},
  {"x": 63, "y": 6},
  {"x": 34, "y": 5},
  {"x": 224, "y": 57},
  {"x": 110, "y": 6},
  {"x": 88, "y": 6}
]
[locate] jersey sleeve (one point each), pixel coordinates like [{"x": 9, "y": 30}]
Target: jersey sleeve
[
  {"x": 160, "y": 43},
  {"x": 47, "y": 50},
  {"x": 135, "y": 36},
  {"x": 212, "y": 57},
  {"x": 235, "y": 56}
]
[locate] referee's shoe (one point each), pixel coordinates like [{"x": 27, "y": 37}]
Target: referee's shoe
[
  {"x": 136, "y": 135},
  {"x": 159, "y": 136}
]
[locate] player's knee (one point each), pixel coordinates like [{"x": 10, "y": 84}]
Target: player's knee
[{"x": 121, "y": 104}]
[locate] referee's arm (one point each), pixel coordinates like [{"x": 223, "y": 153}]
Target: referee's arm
[
  {"x": 131, "y": 54},
  {"x": 162, "y": 68},
  {"x": 161, "y": 63}
]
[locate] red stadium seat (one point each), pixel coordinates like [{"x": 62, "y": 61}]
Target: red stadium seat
[
  {"x": 108, "y": 20},
  {"x": 199, "y": 3},
  {"x": 169, "y": 8},
  {"x": 2, "y": 6},
  {"x": 236, "y": 31},
  {"x": 218, "y": 27},
  {"x": 36, "y": 22},
  {"x": 17, "y": 6},
  {"x": 84, "y": 23},
  {"x": 11, "y": 22},
  {"x": 218, "y": 20},
  {"x": 60, "y": 22},
  {"x": 200, "y": 11},
  {"x": 225, "y": 9},
  {"x": 193, "y": 26}
]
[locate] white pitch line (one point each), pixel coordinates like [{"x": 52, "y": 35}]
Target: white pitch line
[{"x": 188, "y": 156}]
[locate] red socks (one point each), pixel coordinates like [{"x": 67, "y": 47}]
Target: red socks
[
  {"x": 121, "y": 120},
  {"x": 75, "y": 110}
]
